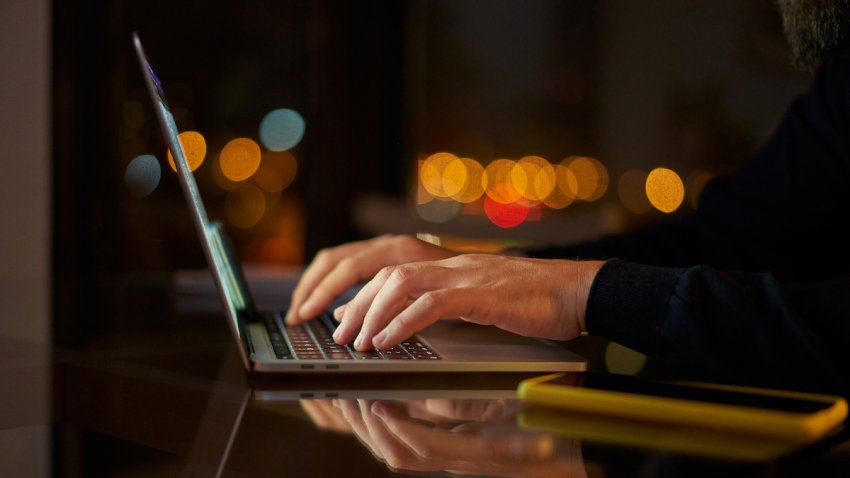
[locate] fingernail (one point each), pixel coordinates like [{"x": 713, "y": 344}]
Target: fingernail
[
  {"x": 380, "y": 338},
  {"x": 304, "y": 310},
  {"x": 338, "y": 312},
  {"x": 337, "y": 333},
  {"x": 358, "y": 342}
]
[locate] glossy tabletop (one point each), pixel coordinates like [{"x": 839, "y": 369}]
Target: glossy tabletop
[{"x": 170, "y": 398}]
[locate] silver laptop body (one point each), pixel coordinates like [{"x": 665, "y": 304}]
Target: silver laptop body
[{"x": 457, "y": 346}]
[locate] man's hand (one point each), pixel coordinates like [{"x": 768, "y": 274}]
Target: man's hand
[
  {"x": 533, "y": 297},
  {"x": 335, "y": 270}
]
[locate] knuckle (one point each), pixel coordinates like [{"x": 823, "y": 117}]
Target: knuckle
[
  {"x": 430, "y": 300},
  {"x": 347, "y": 262},
  {"x": 323, "y": 255},
  {"x": 385, "y": 272},
  {"x": 385, "y": 239},
  {"x": 401, "y": 275},
  {"x": 405, "y": 240}
]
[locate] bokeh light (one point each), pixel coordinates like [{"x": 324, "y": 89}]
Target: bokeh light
[
  {"x": 438, "y": 210},
  {"x": 245, "y": 205},
  {"x": 473, "y": 187},
  {"x": 631, "y": 188},
  {"x": 540, "y": 178},
  {"x": 218, "y": 176},
  {"x": 282, "y": 129},
  {"x": 505, "y": 215},
  {"x": 504, "y": 180},
  {"x": 142, "y": 175},
  {"x": 194, "y": 148},
  {"x": 565, "y": 189},
  {"x": 239, "y": 159},
  {"x": 665, "y": 189},
  {"x": 696, "y": 182},
  {"x": 276, "y": 171},
  {"x": 422, "y": 194},
  {"x": 443, "y": 175},
  {"x": 591, "y": 177}
]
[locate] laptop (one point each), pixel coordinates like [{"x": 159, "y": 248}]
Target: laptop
[{"x": 266, "y": 344}]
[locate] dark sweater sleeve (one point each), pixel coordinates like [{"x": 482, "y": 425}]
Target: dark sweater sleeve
[{"x": 734, "y": 327}]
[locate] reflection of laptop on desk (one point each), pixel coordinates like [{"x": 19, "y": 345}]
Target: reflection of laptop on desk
[{"x": 266, "y": 345}]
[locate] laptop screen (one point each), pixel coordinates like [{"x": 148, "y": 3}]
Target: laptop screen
[{"x": 225, "y": 270}]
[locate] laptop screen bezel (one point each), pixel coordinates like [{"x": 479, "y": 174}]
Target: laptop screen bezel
[{"x": 226, "y": 272}]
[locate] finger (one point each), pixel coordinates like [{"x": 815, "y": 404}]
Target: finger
[
  {"x": 339, "y": 312},
  {"x": 351, "y": 411},
  {"x": 405, "y": 283},
  {"x": 325, "y": 416},
  {"x": 469, "y": 410},
  {"x": 424, "y": 311},
  {"x": 369, "y": 255},
  {"x": 346, "y": 273},
  {"x": 447, "y": 446},
  {"x": 397, "y": 454},
  {"x": 321, "y": 265},
  {"x": 355, "y": 309},
  {"x": 438, "y": 446},
  {"x": 334, "y": 272}
]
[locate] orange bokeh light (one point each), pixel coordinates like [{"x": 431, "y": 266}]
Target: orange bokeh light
[
  {"x": 194, "y": 148},
  {"x": 239, "y": 159}
]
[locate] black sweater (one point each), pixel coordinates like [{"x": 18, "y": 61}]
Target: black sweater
[{"x": 754, "y": 286}]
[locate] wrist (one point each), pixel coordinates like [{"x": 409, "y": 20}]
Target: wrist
[{"x": 586, "y": 274}]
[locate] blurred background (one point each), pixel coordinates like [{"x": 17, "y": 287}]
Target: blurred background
[{"x": 311, "y": 123}]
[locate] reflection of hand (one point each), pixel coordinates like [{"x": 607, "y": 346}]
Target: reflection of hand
[
  {"x": 335, "y": 270},
  {"x": 439, "y": 442},
  {"x": 534, "y": 297},
  {"x": 325, "y": 415}
]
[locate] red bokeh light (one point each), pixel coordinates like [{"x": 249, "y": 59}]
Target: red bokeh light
[{"x": 506, "y": 215}]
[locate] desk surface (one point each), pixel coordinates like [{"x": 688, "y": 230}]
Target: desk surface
[{"x": 171, "y": 399}]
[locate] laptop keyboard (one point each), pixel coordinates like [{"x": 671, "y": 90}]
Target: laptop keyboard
[{"x": 313, "y": 340}]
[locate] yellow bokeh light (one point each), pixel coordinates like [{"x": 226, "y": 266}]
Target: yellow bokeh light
[
  {"x": 276, "y": 171},
  {"x": 239, "y": 159},
  {"x": 540, "y": 177},
  {"x": 443, "y": 175},
  {"x": 565, "y": 189},
  {"x": 245, "y": 206},
  {"x": 194, "y": 148},
  {"x": 631, "y": 188},
  {"x": 473, "y": 189},
  {"x": 665, "y": 189},
  {"x": 454, "y": 177},
  {"x": 504, "y": 180},
  {"x": 422, "y": 194},
  {"x": 591, "y": 177}
]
